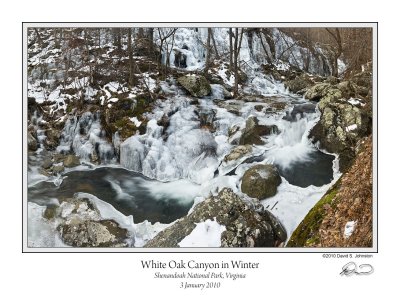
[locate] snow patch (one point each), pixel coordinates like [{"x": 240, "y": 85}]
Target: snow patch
[
  {"x": 351, "y": 127},
  {"x": 205, "y": 234},
  {"x": 135, "y": 121},
  {"x": 349, "y": 228}
]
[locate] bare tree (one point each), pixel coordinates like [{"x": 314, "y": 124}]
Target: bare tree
[
  {"x": 163, "y": 45},
  {"x": 130, "y": 55},
  {"x": 267, "y": 33},
  {"x": 117, "y": 38},
  {"x": 236, "y": 53},
  {"x": 230, "y": 50},
  {"x": 339, "y": 49},
  {"x": 214, "y": 43},
  {"x": 150, "y": 37},
  {"x": 208, "y": 49}
]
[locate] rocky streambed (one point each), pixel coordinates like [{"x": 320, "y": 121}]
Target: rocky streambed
[{"x": 273, "y": 156}]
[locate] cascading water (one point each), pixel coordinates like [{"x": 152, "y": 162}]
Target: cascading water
[
  {"x": 84, "y": 136},
  {"x": 183, "y": 161}
]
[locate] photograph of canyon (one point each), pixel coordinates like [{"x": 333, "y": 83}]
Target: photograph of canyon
[{"x": 199, "y": 137}]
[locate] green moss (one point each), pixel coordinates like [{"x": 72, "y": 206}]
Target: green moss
[
  {"x": 306, "y": 233},
  {"x": 50, "y": 212}
]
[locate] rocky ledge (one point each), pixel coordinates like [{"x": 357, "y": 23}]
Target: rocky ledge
[
  {"x": 247, "y": 224},
  {"x": 346, "y": 117}
]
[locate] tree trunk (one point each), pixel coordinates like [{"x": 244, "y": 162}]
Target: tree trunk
[
  {"x": 235, "y": 56},
  {"x": 39, "y": 38},
  {"x": 237, "y": 46},
  {"x": 339, "y": 50},
  {"x": 230, "y": 49},
  {"x": 150, "y": 37},
  {"x": 208, "y": 48},
  {"x": 214, "y": 43},
  {"x": 130, "y": 53},
  {"x": 269, "y": 60}
]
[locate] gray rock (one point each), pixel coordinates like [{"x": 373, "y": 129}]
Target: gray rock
[
  {"x": 340, "y": 127},
  {"x": 47, "y": 163},
  {"x": 238, "y": 152},
  {"x": 57, "y": 169},
  {"x": 299, "y": 84},
  {"x": 32, "y": 142},
  {"x": 253, "y": 132},
  {"x": 71, "y": 161},
  {"x": 196, "y": 85},
  {"x": 52, "y": 139},
  {"x": 82, "y": 226},
  {"x": 261, "y": 181},
  {"x": 105, "y": 233},
  {"x": 232, "y": 106},
  {"x": 246, "y": 225},
  {"x": 323, "y": 91}
]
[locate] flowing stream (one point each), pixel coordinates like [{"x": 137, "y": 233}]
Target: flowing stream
[{"x": 165, "y": 171}]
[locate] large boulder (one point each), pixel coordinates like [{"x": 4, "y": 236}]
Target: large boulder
[
  {"x": 261, "y": 181},
  {"x": 247, "y": 225},
  {"x": 104, "y": 233},
  {"x": 82, "y": 226},
  {"x": 323, "y": 91},
  {"x": 299, "y": 84},
  {"x": 299, "y": 111},
  {"x": 196, "y": 85},
  {"x": 341, "y": 125},
  {"x": 253, "y": 131}
]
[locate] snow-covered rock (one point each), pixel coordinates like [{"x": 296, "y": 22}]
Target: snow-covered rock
[{"x": 228, "y": 221}]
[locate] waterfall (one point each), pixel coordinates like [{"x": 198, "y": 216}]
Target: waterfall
[{"x": 84, "y": 136}]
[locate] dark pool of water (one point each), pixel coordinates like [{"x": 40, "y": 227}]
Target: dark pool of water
[
  {"x": 129, "y": 192},
  {"x": 316, "y": 170}
]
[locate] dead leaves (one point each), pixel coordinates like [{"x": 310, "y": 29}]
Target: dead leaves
[{"x": 354, "y": 203}]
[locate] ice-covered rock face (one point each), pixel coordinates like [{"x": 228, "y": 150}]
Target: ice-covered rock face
[
  {"x": 189, "y": 152},
  {"x": 84, "y": 136}
]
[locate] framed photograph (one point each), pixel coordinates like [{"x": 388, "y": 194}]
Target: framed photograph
[{"x": 202, "y": 157}]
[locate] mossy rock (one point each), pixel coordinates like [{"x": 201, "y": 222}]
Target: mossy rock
[
  {"x": 50, "y": 212},
  {"x": 196, "y": 85},
  {"x": 261, "y": 181},
  {"x": 117, "y": 118},
  {"x": 307, "y": 232},
  {"x": 323, "y": 91}
]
